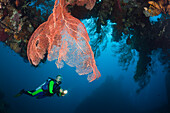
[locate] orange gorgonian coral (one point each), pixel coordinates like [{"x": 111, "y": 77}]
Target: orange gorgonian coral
[{"x": 64, "y": 38}]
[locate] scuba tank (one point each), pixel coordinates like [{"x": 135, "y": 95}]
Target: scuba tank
[{"x": 44, "y": 86}]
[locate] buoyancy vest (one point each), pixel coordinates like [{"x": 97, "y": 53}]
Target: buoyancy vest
[{"x": 45, "y": 87}]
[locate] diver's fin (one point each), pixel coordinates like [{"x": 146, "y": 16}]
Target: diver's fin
[
  {"x": 17, "y": 95},
  {"x": 20, "y": 93}
]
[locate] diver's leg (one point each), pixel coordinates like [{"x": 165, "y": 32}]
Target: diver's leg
[
  {"x": 34, "y": 92},
  {"x": 40, "y": 95}
]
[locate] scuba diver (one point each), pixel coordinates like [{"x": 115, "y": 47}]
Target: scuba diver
[{"x": 47, "y": 89}]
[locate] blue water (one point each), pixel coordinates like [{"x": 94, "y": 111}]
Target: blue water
[{"x": 113, "y": 92}]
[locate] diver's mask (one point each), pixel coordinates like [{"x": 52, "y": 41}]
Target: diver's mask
[{"x": 59, "y": 78}]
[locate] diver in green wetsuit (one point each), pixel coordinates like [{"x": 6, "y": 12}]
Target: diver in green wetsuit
[{"x": 48, "y": 88}]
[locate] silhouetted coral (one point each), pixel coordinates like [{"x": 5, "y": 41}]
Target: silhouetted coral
[
  {"x": 107, "y": 98},
  {"x": 4, "y": 107}
]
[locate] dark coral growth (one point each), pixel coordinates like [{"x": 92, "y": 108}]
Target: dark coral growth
[
  {"x": 146, "y": 36},
  {"x": 4, "y": 107},
  {"x": 18, "y": 20}
]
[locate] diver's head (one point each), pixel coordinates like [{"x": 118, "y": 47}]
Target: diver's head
[
  {"x": 58, "y": 78},
  {"x": 63, "y": 92}
]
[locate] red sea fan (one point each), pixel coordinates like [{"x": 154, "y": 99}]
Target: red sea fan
[
  {"x": 89, "y": 3},
  {"x": 65, "y": 39}
]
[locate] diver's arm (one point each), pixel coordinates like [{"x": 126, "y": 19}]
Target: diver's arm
[
  {"x": 51, "y": 85},
  {"x": 57, "y": 91}
]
